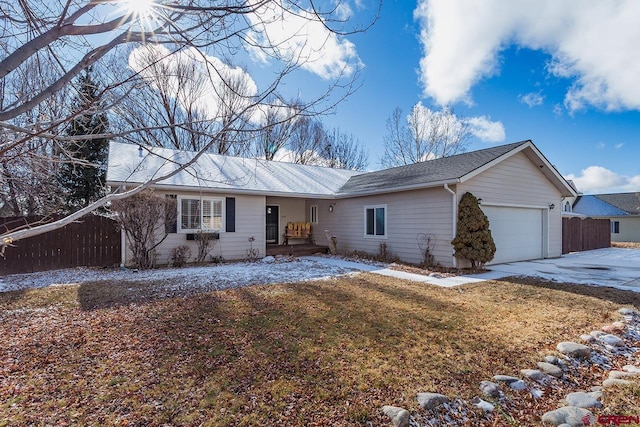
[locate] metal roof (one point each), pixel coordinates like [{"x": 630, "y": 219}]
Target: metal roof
[
  {"x": 128, "y": 164},
  {"x": 615, "y": 204}
]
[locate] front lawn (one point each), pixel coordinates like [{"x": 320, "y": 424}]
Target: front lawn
[{"x": 308, "y": 354}]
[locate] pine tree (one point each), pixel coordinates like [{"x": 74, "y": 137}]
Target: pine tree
[
  {"x": 473, "y": 238},
  {"x": 82, "y": 174}
]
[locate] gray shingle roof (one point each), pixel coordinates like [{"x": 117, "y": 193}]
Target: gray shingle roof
[
  {"x": 432, "y": 171},
  {"x": 627, "y": 202}
]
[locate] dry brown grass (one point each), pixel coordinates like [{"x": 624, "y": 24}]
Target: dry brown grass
[
  {"x": 317, "y": 353},
  {"x": 628, "y": 245}
]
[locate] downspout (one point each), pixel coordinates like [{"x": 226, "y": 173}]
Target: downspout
[
  {"x": 454, "y": 219},
  {"x": 123, "y": 242}
]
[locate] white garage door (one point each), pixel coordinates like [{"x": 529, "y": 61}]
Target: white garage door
[{"x": 517, "y": 233}]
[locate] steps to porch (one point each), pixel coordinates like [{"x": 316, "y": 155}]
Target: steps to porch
[{"x": 296, "y": 250}]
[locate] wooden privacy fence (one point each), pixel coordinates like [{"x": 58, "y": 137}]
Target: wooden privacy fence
[
  {"x": 93, "y": 241},
  {"x": 585, "y": 234}
]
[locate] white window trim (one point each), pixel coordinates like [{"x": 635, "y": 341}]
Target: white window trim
[
  {"x": 201, "y": 199},
  {"x": 613, "y": 227},
  {"x": 386, "y": 229},
  {"x": 311, "y": 209}
]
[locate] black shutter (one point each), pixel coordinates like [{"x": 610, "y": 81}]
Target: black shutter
[
  {"x": 171, "y": 218},
  {"x": 231, "y": 215}
]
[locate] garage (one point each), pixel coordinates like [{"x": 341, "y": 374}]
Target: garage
[{"x": 517, "y": 233}]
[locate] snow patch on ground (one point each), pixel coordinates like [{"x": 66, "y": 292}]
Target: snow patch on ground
[{"x": 209, "y": 277}]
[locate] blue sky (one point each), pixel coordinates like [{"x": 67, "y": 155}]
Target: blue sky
[
  {"x": 561, "y": 73},
  {"x": 535, "y": 78}
]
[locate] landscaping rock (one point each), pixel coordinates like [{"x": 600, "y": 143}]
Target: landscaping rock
[
  {"x": 627, "y": 311},
  {"x": 268, "y": 259},
  {"x": 431, "y": 400},
  {"x": 615, "y": 327},
  {"x": 505, "y": 378},
  {"x": 490, "y": 389},
  {"x": 573, "y": 349},
  {"x": 623, "y": 374},
  {"x": 513, "y": 382},
  {"x": 587, "y": 338},
  {"x": 611, "y": 340},
  {"x": 399, "y": 416},
  {"x": 583, "y": 400},
  {"x": 536, "y": 393},
  {"x": 631, "y": 368},
  {"x": 533, "y": 374},
  {"x": 571, "y": 415},
  {"x": 483, "y": 404},
  {"x": 551, "y": 359},
  {"x": 551, "y": 369},
  {"x": 555, "y": 361},
  {"x": 518, "y": 385},
  {"x": 596, "y": 334},
  {"x": 612, "y": 382}
]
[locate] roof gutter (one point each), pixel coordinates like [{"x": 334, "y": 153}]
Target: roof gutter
[
  {"x": 386, "y": 190},
  {"x": 454, "y": 219},
  {"x": 223, "y": 190}
]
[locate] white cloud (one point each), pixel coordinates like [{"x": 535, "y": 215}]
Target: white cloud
[
  {"x": 532, "y": 99},
  {"x": 193, "y": 78},
  {"x": 422, "y": 119},
  {"x": 619, "y": 146},
  {"x": 601, "y": 145},
  {"x": 597, "y": 179},
  {"x": 590, "y": 41},
  {"x": 486, "y": 130},
  {"x": 343, "y": 10},
  {"x": 300, "y": 38}
]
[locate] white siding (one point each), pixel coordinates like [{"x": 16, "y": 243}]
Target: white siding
[
  {"x": 290, "y": 210},
  {"x": 408, "y": 213},
  {"x": 250, "y": 221},
  {"x": 518, "y": 182}
]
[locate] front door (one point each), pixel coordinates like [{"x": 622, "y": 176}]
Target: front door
[{"x": 272, "y": 225}]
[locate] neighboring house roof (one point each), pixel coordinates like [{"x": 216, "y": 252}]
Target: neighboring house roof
[
  {"x": 129, "y": 166},
  {"x": 621, "y": 204},
  {"x": 628, "y": 202}
]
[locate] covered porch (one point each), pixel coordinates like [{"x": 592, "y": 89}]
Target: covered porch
[{"x": 291, "y": 221}]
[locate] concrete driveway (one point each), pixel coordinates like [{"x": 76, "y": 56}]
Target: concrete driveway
[{"x": 615, "y": 267}]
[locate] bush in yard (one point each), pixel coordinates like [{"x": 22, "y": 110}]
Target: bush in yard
[
  {"x": 473, "y": 238},
  {"x": 142, "y": 217},
  {"x": 180, "y": 255},
  {"x": 206, "y": 242}
]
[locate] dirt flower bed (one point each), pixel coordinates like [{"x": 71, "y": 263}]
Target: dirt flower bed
[{"x": 317, "y": 353}]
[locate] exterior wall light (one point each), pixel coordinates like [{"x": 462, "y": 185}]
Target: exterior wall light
[
  {"x": 551, "y": 206},
  {"x": 330, "y": 208}
]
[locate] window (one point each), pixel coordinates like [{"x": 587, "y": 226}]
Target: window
[
  {"x": 200, "y": 214},
  {"x": 313, "y": 214},
  {"x": 615, "y": 227},
  {"x": 375, "y": 221},
  {"x": 567, "y": 207}
]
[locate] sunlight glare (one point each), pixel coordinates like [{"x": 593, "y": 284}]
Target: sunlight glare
[{"x": 140, "y": 8}]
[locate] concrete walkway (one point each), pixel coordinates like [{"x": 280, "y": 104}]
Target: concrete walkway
[
  {"x": 446, "y": 282},
  {"x": 613, "y": 267}
]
